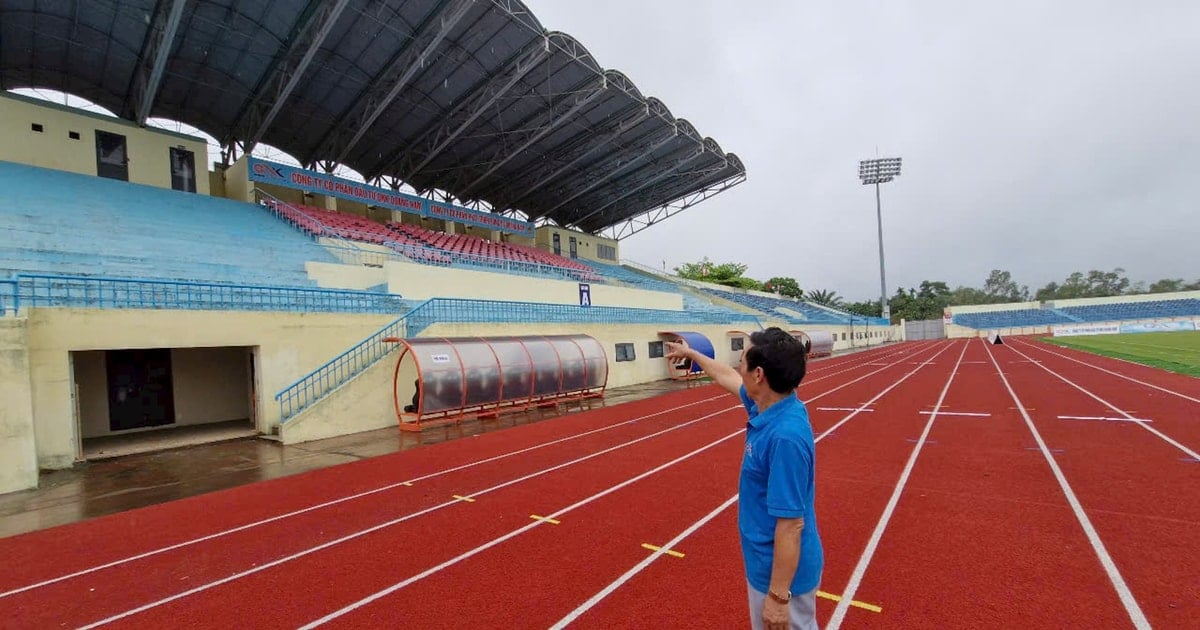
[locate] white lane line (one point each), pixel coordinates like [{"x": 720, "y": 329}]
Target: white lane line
[
  {"x": 1103, "y": 418},
  {"x": 972, "y": 414},
  {"x": 395, "y": 521},
  {"x": 1110, "y": 567},
  {"x": 391, "y": 486},
  {"x": 254, "y": 570},
  {"x": 628, "y": 575},
  {"x": 513, "y": 534},
  {"x": 844, "y": 409},
  {"x": 639, "y": 567},
  {"x": 1145, "y": 425},
  {"x": 864, "y": 560},
  {"x": 1118, "y": 374}
]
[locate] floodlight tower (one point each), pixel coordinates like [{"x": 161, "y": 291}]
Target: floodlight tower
[{"x": 880, "y": 171}]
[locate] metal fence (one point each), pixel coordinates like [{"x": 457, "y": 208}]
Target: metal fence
[{"x": 43, "y": 290}]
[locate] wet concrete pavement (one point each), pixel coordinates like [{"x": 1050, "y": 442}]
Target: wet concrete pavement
[{"x": 96, "y": 488}]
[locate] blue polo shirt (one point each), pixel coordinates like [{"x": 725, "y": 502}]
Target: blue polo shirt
[{"x": 778, "y": 481}]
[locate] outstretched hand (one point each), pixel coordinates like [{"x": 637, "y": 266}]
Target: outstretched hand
[{"x": 677, "y": 350}]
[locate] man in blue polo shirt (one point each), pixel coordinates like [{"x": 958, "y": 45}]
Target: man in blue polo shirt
[{"x": 780, "y": 544}]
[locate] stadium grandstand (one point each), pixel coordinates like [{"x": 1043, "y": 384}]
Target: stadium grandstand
[
  {"x": 452, "y": 170},
  {"x": 1078, "y": 315}
]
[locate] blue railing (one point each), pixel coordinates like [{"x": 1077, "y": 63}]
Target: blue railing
[
  {"x": 482, "y": 311},
  {"x": 10, "y": 301},
  {"x": 314, "y": 386},
  {"x": 43, "y": 290}
]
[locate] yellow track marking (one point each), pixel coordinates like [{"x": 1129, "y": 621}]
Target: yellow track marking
[
  {"x": 669, "y": 552},
  {"x": 544, "y": 519},
  {"x": 856, "y": 604}
]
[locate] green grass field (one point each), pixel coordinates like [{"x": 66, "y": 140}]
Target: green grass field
[{"x": 1175, "y": 351}]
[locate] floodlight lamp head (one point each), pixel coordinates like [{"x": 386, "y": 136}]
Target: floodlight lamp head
[{"x": 878, "y": 170}]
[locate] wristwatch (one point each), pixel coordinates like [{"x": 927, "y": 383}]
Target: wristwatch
[{"x": 780, "y": 598}]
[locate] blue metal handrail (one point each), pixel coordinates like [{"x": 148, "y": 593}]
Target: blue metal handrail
[
  {"x": 10, "y": 299},
  {"x": 47, "y": 290},
  {"x": 332, "y": 374}
]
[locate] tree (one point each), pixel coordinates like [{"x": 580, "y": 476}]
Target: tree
[
  {"x": 1094, "y": 284},
  {"x": 1047, "y": 292},
  {"x": 825, "y": 298},
  {"x": 784, "y": 286},
  {"x": 726, "y": 274},
  {"x": 926, "y": 302},
  {"x": 967, "y": 295},
  {"x": 870, "y": 308},
  {"x": 1167, "y": 285},
  {"x": 1000, "y": 287}
]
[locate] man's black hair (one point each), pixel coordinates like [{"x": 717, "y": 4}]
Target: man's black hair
[{"x": 780, "y": 355}]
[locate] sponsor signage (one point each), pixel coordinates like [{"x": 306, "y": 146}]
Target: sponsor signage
[
  {"x": 1072, "y": 330},
  {"x": 325, "y": 184},
  {"x": 1143, "y": 327}
]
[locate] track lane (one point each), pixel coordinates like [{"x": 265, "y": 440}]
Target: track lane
[
  {"x": 983, "y": 531},
  {"x": 1180, "y": 384},
  {"x": 1175, "y": 417},
  {"x": 1142, "y": 501}
]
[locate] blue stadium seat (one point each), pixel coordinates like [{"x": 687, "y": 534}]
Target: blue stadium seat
[{"x": 65, "y": 223}]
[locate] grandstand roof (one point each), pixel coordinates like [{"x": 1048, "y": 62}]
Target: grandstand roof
[{"x": 469, "y": 97}]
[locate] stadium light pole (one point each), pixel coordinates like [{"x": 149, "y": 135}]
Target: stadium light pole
[{"x": 880, "y": 171}]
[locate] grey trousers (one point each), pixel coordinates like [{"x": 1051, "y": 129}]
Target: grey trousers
[{"x": 803, "y": 610}]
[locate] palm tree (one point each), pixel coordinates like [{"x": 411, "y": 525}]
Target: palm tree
[{"x": 824, "y": 298}]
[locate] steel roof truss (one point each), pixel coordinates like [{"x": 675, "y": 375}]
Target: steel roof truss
[
  {"x": 454, "y": 124},
  {"x": 271, "y": 93},
  {"x": 560, "y": 111},
  {"x": 153, "y": 62}
]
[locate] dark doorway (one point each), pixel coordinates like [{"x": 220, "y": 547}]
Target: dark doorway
[
  {"x": 183, "y": 170},
  {"x": 574, "y": 247},
  {"x": 557, "y": 244},
  {"x": 139, "y": 389},
  {"x": 112, "y": 160}
]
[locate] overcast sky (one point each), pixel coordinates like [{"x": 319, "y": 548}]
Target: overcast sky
[{"x": 1039, "y": 137}]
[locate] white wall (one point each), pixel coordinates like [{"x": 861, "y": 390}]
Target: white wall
[{"x": 18, "y": 460}]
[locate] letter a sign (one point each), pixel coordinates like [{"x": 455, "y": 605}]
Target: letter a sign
[{"x": 585, "y": 294}]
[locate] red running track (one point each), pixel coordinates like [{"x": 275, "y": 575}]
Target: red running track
[{"x": 938, "y": 520}]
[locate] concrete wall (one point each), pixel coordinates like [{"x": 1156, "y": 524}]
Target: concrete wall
[
  {"x": 419, "y": 282},
  {"x": 148, "y": 149},
  {"x": 237, "y": 182},
  {"x": 18, "y": 461},
  {"x": 363, "y": 404},
  {"x": 987, "y": 308},
  {"x": 335, "y": 276},
  {"x": 544, "y": 239},
  {"x": 289, "y": 346}
]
